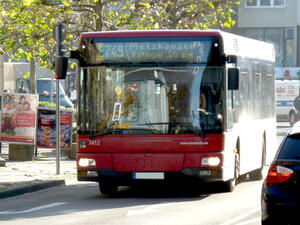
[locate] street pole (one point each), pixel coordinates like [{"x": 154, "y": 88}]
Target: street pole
[
  {"x": 57, "y": 129},
  {"x": 1, "y": 87},
  {"x": 58, "y": 38}
]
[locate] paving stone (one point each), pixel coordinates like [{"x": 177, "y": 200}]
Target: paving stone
[{"x": 42, "y": 169}]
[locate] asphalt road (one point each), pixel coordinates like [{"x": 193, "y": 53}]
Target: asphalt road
[
  {"x": 83, "y": 204},
  {"x": 155, "y": 205}
]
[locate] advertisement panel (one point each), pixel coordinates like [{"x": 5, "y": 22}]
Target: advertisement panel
[
  {"x": 46, "y": 128},
  {"x": 18, "y": 118},
  {"x": 287, "y": 73}
]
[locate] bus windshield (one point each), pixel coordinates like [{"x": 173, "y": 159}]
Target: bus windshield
[{"x": 151, "y": 100}]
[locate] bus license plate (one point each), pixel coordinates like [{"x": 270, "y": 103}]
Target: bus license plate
[{"x": 148, "y": 176}]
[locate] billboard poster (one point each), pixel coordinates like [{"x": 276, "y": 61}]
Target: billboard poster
[
  {"x": 18, "y": 118},
  {"x": 292, "y": 73},
  {"x": 46, "y": 129}
]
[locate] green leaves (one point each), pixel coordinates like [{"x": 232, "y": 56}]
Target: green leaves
[
  {"x": 146, "y": 5},
  {"x": 26, "y": 27},
  {"x": 26, "y": 30},
  {"x": 27, "y": 3},
  {"x": 26, "y": 75},
  {"x": 167, "y": 14},
  {"x": 211, "y": 5}
]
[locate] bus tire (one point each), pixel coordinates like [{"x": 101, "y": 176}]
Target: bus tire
[
  {"x": 108, "y": 188},
  {"x": 270, "y": 221},
  {"x": 258, "y": 173},
  {"x": 229, "y": 185},
  {"x": 292, "y": 118}
]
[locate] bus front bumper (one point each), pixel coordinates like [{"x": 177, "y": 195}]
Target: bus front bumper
[{"x": 128, "y": 178}]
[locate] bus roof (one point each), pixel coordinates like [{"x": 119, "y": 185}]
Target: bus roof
[
  {"x": 150, "y": 33},
  {"x": 233, "y": 44},
  {"x": 247, "y": 47}
]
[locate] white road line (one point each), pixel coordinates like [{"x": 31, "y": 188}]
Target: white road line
[
  {"x": 33, "y": 209},
  {"x": 257, "y": 219},
  {"x": 238, "y": 218}
]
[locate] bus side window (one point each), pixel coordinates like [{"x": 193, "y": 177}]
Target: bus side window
[{"x": 229, "y": 103}]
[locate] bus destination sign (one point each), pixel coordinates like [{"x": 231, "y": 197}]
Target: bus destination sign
[{"x": 162, "y": 51}]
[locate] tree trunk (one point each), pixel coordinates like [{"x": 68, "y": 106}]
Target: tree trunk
[
  {"x": 73, "y": 151},
  {"x": 32, "y": 76},
  {"x": 21, "y": 152},
  {"x": 99, "y": 13}
]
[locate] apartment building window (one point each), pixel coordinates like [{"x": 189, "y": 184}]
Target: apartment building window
[
  {"x": 265, "y": 3},
  {"x": 251, "y": 3},
  {"x": 283, "y": 42},
  {"x": 276, "y": 37}
]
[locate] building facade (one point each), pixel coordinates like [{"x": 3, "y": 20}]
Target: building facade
[{"x": 274, "y": 21}]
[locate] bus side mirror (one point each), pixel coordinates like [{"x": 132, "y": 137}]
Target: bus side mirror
[
  {"x": 233, "y": 78},
  {"x": 61, "y": 67}
]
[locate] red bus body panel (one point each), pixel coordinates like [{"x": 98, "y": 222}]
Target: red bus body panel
[
  {"x": 150, "y": 152},
  {"x": 148, "y": 162}
]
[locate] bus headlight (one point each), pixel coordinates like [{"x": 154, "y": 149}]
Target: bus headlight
[
  {"x": 210, "y": 161},
  {"x": 85, "y": 162}
]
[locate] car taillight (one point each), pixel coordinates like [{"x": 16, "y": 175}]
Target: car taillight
[{"x": 278, "y": 174}]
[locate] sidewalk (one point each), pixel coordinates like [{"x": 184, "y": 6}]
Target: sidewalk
[{"x": 21, "y": 177}]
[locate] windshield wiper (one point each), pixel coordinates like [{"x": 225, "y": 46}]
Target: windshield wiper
[
  {"x": 117, "y": 130},
  {"x": 185, "y": 125},
  {"x": 105, "y": 132}
]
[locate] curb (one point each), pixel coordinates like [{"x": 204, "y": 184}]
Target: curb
[{"x": 31, "y": 188}]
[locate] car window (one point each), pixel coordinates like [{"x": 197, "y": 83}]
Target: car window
[
  {"x": 22, "y": 86},
  {"x": 290, "y": 148},
  {"x": 45, "y": 85}
]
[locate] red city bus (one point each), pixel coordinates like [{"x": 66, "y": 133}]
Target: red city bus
[{"x": 172, "y": 106}]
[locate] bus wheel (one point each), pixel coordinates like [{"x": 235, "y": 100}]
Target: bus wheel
[
  {"x": 108, "y": 188},
  {"x": 229, "y": 185},
  {"x": 292, "y": 118}
]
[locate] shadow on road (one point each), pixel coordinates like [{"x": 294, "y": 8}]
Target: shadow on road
[{"x": 192, "y": 190}]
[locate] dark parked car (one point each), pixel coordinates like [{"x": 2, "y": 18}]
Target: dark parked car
[{"x": 280, "y": 199}]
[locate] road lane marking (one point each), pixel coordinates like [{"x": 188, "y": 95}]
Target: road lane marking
[
  {"x": 257, "y": 219},
  {"x": 5, "y": 212},
  {"x": 238, "y": 218},
  {"x": 33, "y": 209},
  {"x": 150, "y": 209}
]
